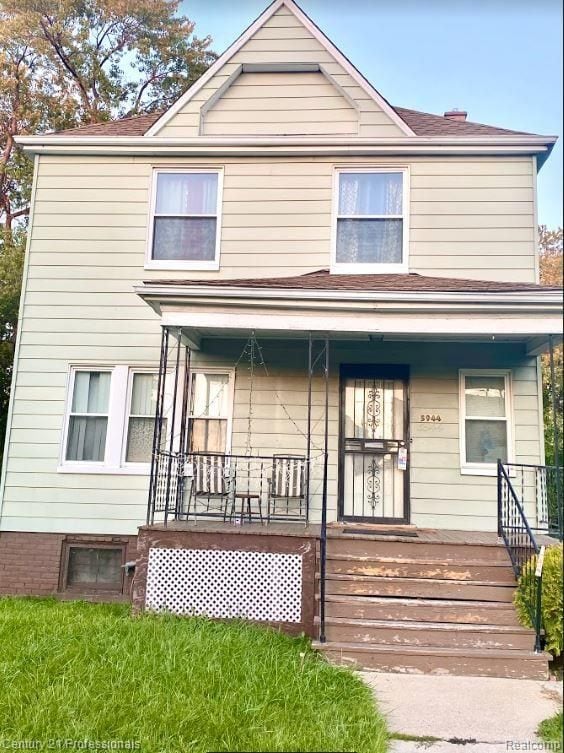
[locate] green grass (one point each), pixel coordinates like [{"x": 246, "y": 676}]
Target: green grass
[
  {"x": 551, "y": 729},
  {"x": 90, "y": 671}
]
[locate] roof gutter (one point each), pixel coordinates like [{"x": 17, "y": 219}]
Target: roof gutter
[
  {"x": 510, "y": 298},
  {"x": 287, "y": 146}
]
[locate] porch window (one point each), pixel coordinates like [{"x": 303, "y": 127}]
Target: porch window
[
  {"x": 141, "y": 417},
  {"x": 485, "y": 419},
  {"x": 185, "y": 219},
  {"x": 88, "y": 417},
  {"x": 371, "y": 221},
  {"x": 210, "y": 401}
]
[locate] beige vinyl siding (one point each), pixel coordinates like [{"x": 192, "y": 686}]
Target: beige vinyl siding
[
  {"x": 281, "y": 104},
  {"x": 282, "y": 39},
  {"x": 39, "y": 498},
  {"x": 469, "y": 217}
]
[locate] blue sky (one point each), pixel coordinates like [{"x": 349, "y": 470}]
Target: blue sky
[{"x": 501, "y": 60}]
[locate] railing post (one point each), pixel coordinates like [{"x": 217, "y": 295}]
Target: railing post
[
  {"x": 499, "y": 500},
  {"x": 538, "y": 614},
  {"x": 556, "y": 438},
  {"x": 323, "y": 537},
  {"x": 308, "y": 448},
  {"x": 157, "y": 429}
]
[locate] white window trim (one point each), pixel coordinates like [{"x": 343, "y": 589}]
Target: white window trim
[
  {"x": 230, "y": 371},
  {"x": 118, "y": 418},
  {"x": 375, "y": 268},
  {"x": 485, "y": 469},
  {"x": 124, "y": 464},
  {"x": 171, "y": 264},
  {"x": 115, "y": 434}
]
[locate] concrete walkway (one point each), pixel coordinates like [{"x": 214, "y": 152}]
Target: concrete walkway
[{"x": 482, "y": 714}]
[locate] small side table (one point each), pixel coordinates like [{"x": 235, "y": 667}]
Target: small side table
[{"x": 248, "y": 497}]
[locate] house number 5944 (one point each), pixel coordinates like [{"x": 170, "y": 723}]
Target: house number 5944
[{"x": 430, "y": 417}]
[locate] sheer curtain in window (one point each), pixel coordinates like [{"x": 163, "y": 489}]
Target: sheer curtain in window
[
  {"x": 364, "y": 234},
  {"x": 88, "y": 420}
]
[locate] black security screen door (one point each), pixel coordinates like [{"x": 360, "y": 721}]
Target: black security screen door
[{"x": 373, "y": 478}]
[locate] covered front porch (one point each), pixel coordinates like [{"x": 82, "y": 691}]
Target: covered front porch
[
  {"x": 342, "y": 462},
  {"x": 266, "y": 428},
  {"x": 385, "y": 399}
]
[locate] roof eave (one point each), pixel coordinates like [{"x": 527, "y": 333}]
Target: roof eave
[{"x": 510, "y": 298}]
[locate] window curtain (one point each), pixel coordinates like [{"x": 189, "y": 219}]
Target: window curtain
[
  {"x": 364, "y": 240},
  {"x": 186, "y": 193},
  {"x": 142, "y": 419}
]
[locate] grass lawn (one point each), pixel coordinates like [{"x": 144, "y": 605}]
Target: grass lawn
[
  {"x": 551, "y": 729},
  {"x": 84, "y": 671}
]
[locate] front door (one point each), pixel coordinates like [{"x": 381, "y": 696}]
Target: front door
[{"x": 373, "y": 478}]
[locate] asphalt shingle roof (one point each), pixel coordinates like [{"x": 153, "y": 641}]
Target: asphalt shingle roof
[
  {"x": 421, "y": 123},
  {"x": 324, "y": 280}
]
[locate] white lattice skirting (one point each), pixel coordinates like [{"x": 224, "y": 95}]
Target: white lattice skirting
[{"x": 259, "y": 586}]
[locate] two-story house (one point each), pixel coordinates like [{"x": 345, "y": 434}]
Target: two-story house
[{"x": 292, "y": 328}]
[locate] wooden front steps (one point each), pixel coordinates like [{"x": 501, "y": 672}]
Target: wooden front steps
[{"x": 417, "y": 606}]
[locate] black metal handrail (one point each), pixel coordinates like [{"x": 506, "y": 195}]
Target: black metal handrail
[
  {"x": 539, "y": 489},
  {"x": 522, "y": 547}
]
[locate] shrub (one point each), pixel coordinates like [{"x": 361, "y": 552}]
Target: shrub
[{"x": 551, "y": 597}]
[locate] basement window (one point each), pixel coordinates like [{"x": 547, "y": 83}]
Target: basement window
[{"x": 89, "y": 567}]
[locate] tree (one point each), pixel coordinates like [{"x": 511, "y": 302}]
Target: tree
[
  {"x": 551, "y": 272},
  {"x": 64, "y": 63}
]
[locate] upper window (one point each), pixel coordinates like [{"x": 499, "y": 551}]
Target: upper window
[
  {"x": 185, "y": 225},
  {"x": 370, "y": 221},
  {"x": 485, "y": 419},
  {"x": 210, "y": 411},
  {"x": 88, "y": 417}
]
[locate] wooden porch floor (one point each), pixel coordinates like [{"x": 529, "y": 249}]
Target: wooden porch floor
[{"x": 337, "y": 530}]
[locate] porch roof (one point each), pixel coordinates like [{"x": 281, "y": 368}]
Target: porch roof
[
  {"x": 322, "y": 279},
  {"x": 403, "y": 306}
]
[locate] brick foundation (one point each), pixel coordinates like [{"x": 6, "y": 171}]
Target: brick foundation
[{"x": 30, "y": 563}]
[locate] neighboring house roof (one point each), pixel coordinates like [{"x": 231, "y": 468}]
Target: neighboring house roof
[
  {"x": 323, "y": 280},
  {"x": 421, "y": 123}
]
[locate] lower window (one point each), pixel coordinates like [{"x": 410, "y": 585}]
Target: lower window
[
  {"x": 89, "y": 567},
  {"x": 485, "y": 427}
]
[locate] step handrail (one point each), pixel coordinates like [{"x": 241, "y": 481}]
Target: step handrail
[{"x": 522, "y": 547}]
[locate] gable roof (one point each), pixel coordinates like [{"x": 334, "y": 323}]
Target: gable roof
[
  {"x": 421, "y": 123},
  {"x": 316, "y": 32},
  {"x": 322, "y": 279}
]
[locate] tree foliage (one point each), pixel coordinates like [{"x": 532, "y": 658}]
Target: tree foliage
[
  {"x": 550, "y": 247},
  {"x": 65, "y": 63}
]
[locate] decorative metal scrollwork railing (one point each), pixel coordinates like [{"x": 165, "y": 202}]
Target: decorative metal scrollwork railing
[{"x": 522, "y": 547}]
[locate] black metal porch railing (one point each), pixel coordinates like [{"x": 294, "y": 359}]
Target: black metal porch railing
[
  {"x": 229, "y": 488},
  {"x": 522, "y": 547},
  {"x": 539, "y": 489}
]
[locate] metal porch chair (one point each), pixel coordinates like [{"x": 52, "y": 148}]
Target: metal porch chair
[
  {"x": 286, "y": 488},
  {"x": 211, "y": 488}
]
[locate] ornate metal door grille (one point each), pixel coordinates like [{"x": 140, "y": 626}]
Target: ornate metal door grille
[{"x": 373, "y": 483}]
